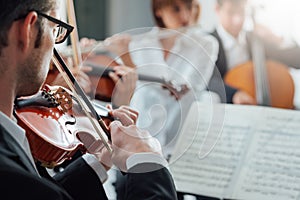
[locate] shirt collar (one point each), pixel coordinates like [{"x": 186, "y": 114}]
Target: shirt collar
[
  {"x": 14, "y": 130},
  {"x": 228, "y": 40},
  {"x": 18, "y": 134}
]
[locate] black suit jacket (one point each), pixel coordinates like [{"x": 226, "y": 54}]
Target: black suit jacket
[
  {"x": 221, "y": 62},
  {"x": 19, "y": 180},
  {"x": 287, "y": 56},
  {"x": 216, "y": 83}
]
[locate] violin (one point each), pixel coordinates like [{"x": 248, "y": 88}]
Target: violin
[
  {"x": 59, "y": 122},
  {"x": 56, "y": 126},
  {"x": 103, "y": 86}
]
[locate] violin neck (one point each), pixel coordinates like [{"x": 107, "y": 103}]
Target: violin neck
[
  {"x": 103, "y": 71},
  {"x": 148, "y": 78},
  {"x": 98, "y": 70}
]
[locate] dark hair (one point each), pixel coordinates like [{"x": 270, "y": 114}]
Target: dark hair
[
  {"x": 220, "y": 2},
  {"x": 12, "y": 10},
  {"x": 158, "y": 4}
]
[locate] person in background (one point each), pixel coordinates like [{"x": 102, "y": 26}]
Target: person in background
[
  {"x": 123, "y": 89},
  {"x": 216, "y": 84},
  {"x": 29, "y": 30},
  {"x": 234, "y": 41},
  {"x": 177, "y": 57}
]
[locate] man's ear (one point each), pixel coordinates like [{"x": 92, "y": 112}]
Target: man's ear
[{"x": 28, "y": 31}]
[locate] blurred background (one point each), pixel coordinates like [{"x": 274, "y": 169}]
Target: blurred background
[{"x": 102, "y": 18}]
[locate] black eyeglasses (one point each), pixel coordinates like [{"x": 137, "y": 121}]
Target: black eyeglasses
[{"x": 62, "y": 31}]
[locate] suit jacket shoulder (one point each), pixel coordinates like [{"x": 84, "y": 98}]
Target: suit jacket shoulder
[{"x": 18, "y": 181}]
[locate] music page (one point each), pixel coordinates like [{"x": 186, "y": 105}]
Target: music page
[
  {"x": 238, "y": 152},
  {"x": 271, "y": 168}
]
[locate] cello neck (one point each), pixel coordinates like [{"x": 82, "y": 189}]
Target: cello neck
[{"x": 260, "y": 72}]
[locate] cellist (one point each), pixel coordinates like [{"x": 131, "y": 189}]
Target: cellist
[{"x": 234, "y": 47}]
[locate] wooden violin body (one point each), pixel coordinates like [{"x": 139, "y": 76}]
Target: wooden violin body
[
  {"x": 280, "y": 82},
  {"x": 55, "y": 130}
]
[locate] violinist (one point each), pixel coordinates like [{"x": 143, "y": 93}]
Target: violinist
[
  {"x": 176, "y": 57},
  {"x": 171, "y": 15},
  {"x": 28, "y": 33},
  {"x": 124, "y": 87},
  {"x": 234, "y": 42}
]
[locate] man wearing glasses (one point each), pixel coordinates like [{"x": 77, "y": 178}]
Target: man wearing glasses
[{"x": 29, "y": 29}]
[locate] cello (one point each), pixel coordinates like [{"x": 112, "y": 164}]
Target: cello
[{"x": 269, "y": 82}]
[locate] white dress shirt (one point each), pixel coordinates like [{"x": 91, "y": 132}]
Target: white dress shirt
[
  {"x": 190, "y": 61},
  {"x": 236, "y": 49},
  {"x": 18, "y": 134}
]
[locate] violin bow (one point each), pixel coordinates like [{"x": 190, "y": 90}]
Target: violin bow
[
  {"x": 78, "y": 92},
  {"x": 83, "y": 100},
  {"x": 74, "y": 35}
]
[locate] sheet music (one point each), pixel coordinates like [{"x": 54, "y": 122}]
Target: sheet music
[
  {"x": 272, "y": 167},
  {"x": 257, "y": 154},
  {"x": 212, "y": 174}
]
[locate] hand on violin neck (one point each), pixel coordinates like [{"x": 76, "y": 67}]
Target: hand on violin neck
[
  {"x": 126, "y": 115},
  {"x": 125, "y": 79}
]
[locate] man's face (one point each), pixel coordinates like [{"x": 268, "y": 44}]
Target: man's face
[
  {"x": 36, "y": 66},
  {"x": 232, "y": 16}
]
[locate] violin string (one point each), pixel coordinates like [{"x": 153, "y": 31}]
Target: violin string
[{"x": 72, "y": 83}]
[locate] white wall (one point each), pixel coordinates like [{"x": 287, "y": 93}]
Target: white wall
[
  {"x": 208, "y": 18},
  {"x": 127, "y": 14}
]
